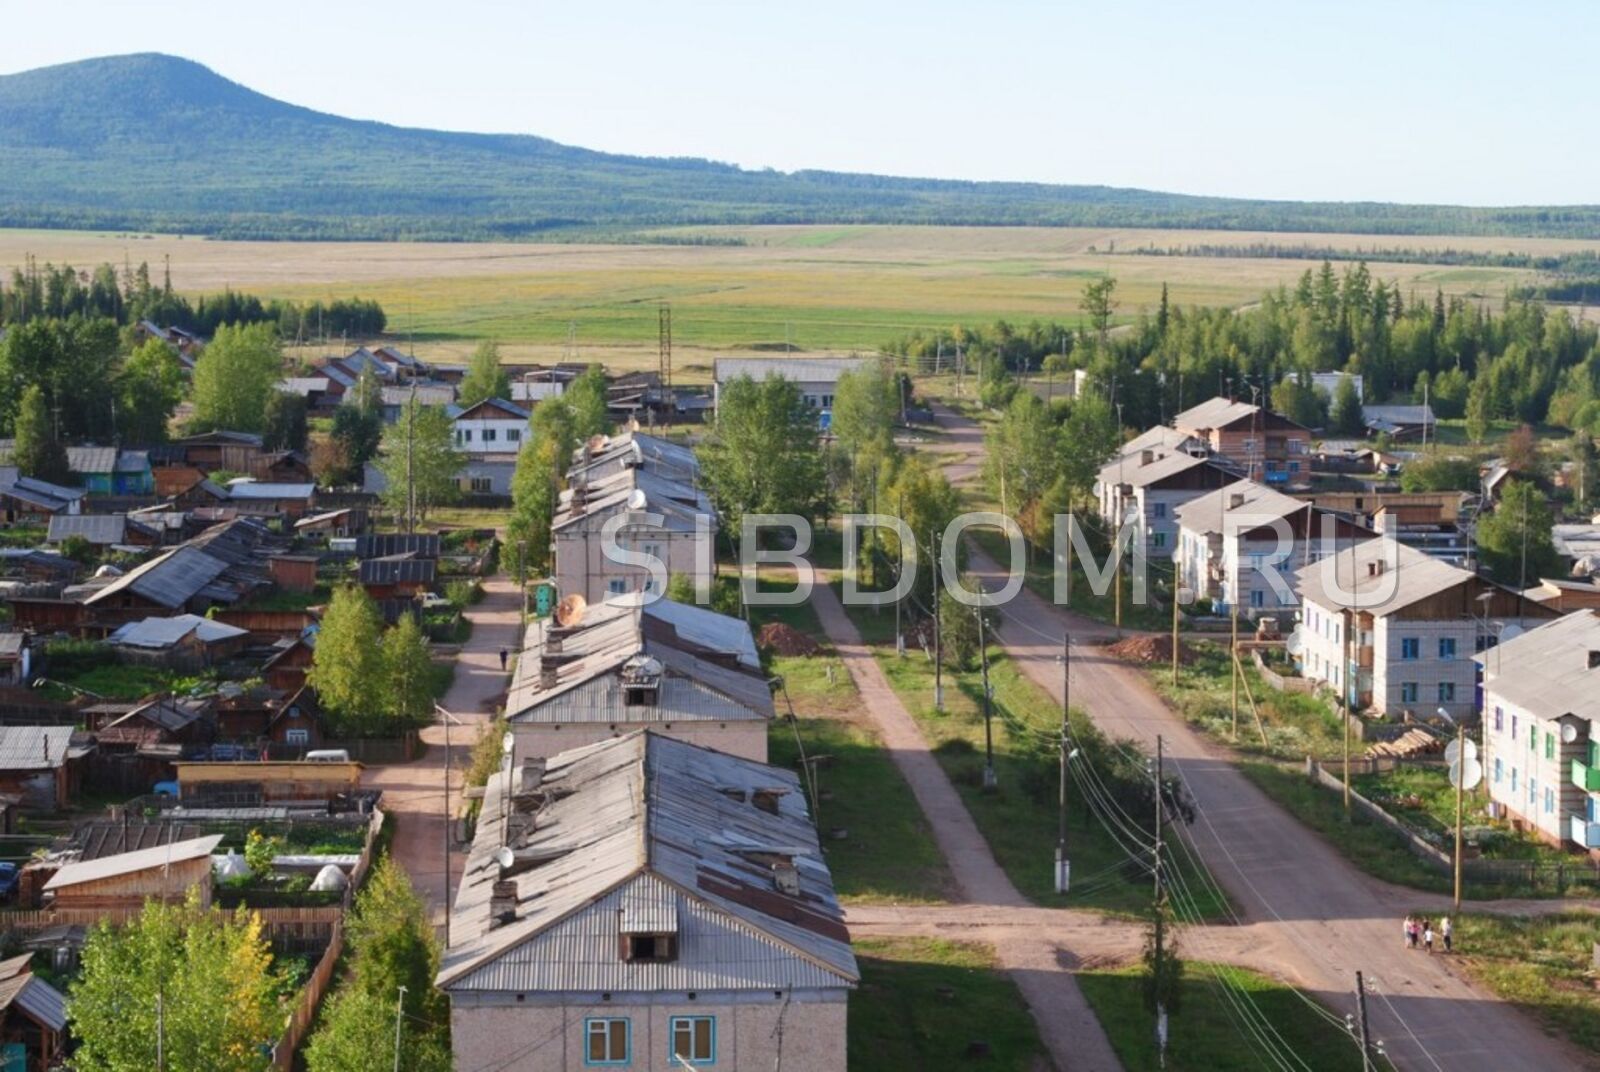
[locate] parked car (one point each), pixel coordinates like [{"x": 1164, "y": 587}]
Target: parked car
[{"x": 328, "y": 755}]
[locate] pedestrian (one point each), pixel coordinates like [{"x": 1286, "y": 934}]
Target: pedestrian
[
  {"x": 1411, "y": 933},
  {"x": 1445, "y": 931},
  {"x": 1427, "y": 934},
  {"x": 504, "y": 654}
]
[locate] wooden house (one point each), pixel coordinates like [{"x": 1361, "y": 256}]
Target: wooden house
[
  {"x": 33, "y": 1018},
  {"x": 40, "y": 765},
  {"x": 127, "y": 880},
  {"x": 286, "y": 669}
]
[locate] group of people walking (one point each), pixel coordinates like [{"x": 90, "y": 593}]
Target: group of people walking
[{"x": 1422, "y": 931}]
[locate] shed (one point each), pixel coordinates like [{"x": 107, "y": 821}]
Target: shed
[
  {"x": 40, "y": 765},
  {"x": 33, "y": 1016},
  {"x": 182, "y": 640},
  {"x": 128, "y": 879}
]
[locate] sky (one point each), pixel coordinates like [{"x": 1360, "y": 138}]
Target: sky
[{"x": 1459, "y": 103}]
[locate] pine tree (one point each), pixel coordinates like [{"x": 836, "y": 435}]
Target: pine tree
[{"x": 1345, "y": 415}]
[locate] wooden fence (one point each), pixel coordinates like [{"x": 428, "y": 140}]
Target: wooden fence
[
  {"x": 305, "y": 1010},
  {"x": 1281, "y": 682}
]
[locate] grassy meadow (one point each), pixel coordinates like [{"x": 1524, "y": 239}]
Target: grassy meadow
[{"x": 814, "y": 288}]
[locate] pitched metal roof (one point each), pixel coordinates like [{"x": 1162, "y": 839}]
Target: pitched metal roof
[
  {"x": 92, "y": 459},
  {"x": 40, "y": 493},
  {"x": 709, "y": 670},
  {"x": 25, "y": 748},
  {"x": 170, "y": 579},
  {"x": 133, "y": 461},
  {"x": 795, "y": 369},
  {"x": 507, "y": 411},
  {"x": 99, "y": 529},
  {"x": 383, "y": 545},
  {"x": 1218, "y": 412},
  {"x": 648, "y": 452},
  {"x": 1377, "y": 577},
  {"x": 221, "y": 564},
  {"x": 1549, "y": 671},
  {"x": 678, "y": 503},
  {"x": 1241, "y": 501},
  {"x": 261, "y": 489},
  {"x": 159, "y": 633},
  {"x": 398, "y": 570},
  {"x": 128, "y": 863},
  {"x": 647, "y": 830},
  {"x": 35, "y": 997},
  {"x": 1128, "y": 470}
]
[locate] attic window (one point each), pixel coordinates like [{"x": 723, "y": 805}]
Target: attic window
[
  {"x": 649, "y": 948},
  {"x": 766, "y": 800}
]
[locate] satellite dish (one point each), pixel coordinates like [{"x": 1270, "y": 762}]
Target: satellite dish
[
  {"x": 505, "y": 857},
  {"x": 508, "y": 742},
  {"x": 637, "y": 499},
  {"x": 1454, "y": 750},
  {"x": 1466, "y": 775},
  {"x": 1569, "y": 733},
  {"x": 1510, "y": 632},
  {"x": 570, "y": 610}
]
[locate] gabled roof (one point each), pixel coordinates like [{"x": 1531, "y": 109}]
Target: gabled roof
[
  {"x": 128, "y": 863},
  {"x": 1128, "y": 470},
  {"x": 303, "y": 385},
  {"x": 1549, "y": 671},
  {"x": 427, "y": 394},
  {"x": 388, "y": 544},
  {"x": 88, "y": 460},
  {"x": 40, "y": 1001},
  {"x": 27, "y": 748},
  {"x": 660, "y": 456},
  {"x": 398, "y": 570},
  {"x": 1377, "y": 577},
  {"x": 492, "y": 409},
  {"x": 1218, "y": 412},
  {"x": 677, "y": 502},
  {"x": 795, "y": 369},
  {"x": 639, "y": 831},
  {"x": 40, "y": 493},
  {"x": 160, "y": 633},
  {"x": 707, "y": 665},
  {"x": 163, "y": 713},
  {"x": 266, "y": 490},
  {"x": 1229, "y": 505},
  {"x": 170, "y": 579}
]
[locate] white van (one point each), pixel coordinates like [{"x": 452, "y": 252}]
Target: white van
[{"x": 328, "y": 755}]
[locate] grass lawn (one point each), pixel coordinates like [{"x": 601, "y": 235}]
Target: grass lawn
[
  {"x": 1203, "y": 1035},
  {"x": 1540, "y": 964},
  {"x": 1421, "y": 797},
  {"x": 922, "y": 1001},
  {"x": 1019, "y": 819},
  {"x": 890, "y": 855},
  {"x": 116, "y": 681},
  {"x": 1297, "y": 724}
]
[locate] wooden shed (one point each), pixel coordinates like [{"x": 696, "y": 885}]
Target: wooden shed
[
  {"x": 129, "y": 879},
  {"x": 243, "y": 784}
]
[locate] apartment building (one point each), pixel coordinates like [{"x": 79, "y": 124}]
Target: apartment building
[
  {"x": 1265, "y": 446},
  {"x": 1147, "y": 484},
  {"x": 683, "y": 534}
]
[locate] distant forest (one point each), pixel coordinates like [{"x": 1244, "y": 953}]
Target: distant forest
[
  {"x": 58, "y": 292},
  {"x": 157, "y": 143}
]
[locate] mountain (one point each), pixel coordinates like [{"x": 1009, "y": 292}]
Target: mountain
[{"x": 154, "y": 142}]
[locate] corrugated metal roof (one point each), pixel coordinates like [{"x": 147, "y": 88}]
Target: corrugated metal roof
[
  {"x": 99, "y": 529},
  {"x": 1546, "y": 671},
  {"x": 261, "y": 489},
  {"x": 1209, "y": 513},
  {"x": 170, "y": 579},
  {"x": 11, "y": 645},
  {"x": 398, "y": 570},
  {"x": 1218, "y": 412},
  {"x": 24, "y": 748},
  {"x": 677, "y": 502},
  {"x": 645, "y": 829},
  {"x": 797, "y": 369},
  {"x": 127, "y": 863},
  {"x": 653, "y": 454},
  {"x": 157, "y": 633},
  {"x": 92, "y": 459},
  {"x": 1347, "y": 579},
  {"x": 41, "y": 1001},
  {"x": 381, "y": 545}
]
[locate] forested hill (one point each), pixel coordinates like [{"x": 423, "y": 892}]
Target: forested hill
[{"x": 154, "y": 142}]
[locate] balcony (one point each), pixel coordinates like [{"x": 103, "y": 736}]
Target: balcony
[
  {"x": 1585, "y": 777},
  {"x": 1364, "y": 657},
  {"x": 1583, "y": 832}
]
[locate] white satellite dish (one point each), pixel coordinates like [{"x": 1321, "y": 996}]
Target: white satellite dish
[
  {"x": 508, "y": 742},
  {"x": 1466, "y": 775},
  {"x": 1569, "y": 733},
  {"x": 637, "y": 499},
  {"x": 1511, "y": 632},
  {"x": 505, "y": 857},
  {"x": 1454, "y": 750}
]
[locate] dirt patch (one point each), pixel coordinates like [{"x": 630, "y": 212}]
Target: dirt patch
[
  {"x": 783, "y": 639},
  {"x": 1151, "y": 648}
]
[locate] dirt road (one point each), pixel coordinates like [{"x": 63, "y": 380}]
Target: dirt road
[
  {"x": 1317, "y": 919},
  {"x": 414, "y": 792}
]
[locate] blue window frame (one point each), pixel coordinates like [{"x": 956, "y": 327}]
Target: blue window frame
[
  {"x": 1410, "y": 648},
  {"x": 1408, "y": 692},
  {"x": 1549, "y": 746},
  {"x": 1447, "y": 647},
  {"x": 1499, "y": 718},
  {"x": 1549, "y": 800},
  {"x": 1497, "y": 770},
  {"x": 607, "y": 1041},
  {"x": 1258, "y": 598},
  {"x": 1159, "y": 509},
  {"x": 693, "y": 1039},
  {"x": 1447, "y": 692}
]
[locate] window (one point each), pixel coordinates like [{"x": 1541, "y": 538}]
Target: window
[
  {"x": 617, "y": 586},
  {"x": 650, "y": 947},
  {"x": 1258, "y": 598},
  {"x": 1549, "y": 746},
  {"x": 1447, "y": 647},
  {"x": 1549, "y": 801},
  {"x": 1497, "y": 770},
  {"x": 650, "y": 585},
  {"x": 1408, "y": 692},
  {"x": 1513, "y": 727},
  {"x": 606, "y": 1042},
  {"x": 1513, "y": 779},
  {"x": 466, "y": 435},
  {"x": 1294, "y": 467},
  {"x": 1158, "y": 540},
  {"x": 1447, "y": 692},
  {"x": 694, "y": 1039},
  {"x": 1533, "y": 737},
  {"x": 1159, "y": 510},
  {"x": 482, "y": 485},
  {"x": 1499, "y": 718},
  {"x": 490, "y": 435},
  {"x": 1410, "y": 648},
  {"x": 513, "y": 435},
  {"x": 1533, "y": 789},
  {"x": 297, "y": 737}
]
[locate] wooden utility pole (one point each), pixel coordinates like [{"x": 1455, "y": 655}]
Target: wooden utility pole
[
  {"x": 411, "y": 482},
  {"x": 399, "y": 1018},
  {"x": 1234, "y": 653},
  {"x": 938, "y": 631},
  {"x": 1159, "y": 893},
  {"x": 1174, "y": 625},
  {"x": 1063, "y": 866},
  {"x": 1361, "y": 1019},
  {"x": 989, "y": 780},
  {"x": 1348, "y": 620}
]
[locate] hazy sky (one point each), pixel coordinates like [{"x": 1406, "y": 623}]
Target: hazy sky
[{"x": 1465, "y": 102}]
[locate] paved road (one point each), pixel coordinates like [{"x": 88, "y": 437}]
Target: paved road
[
  {"x": 414, "y": 792},
  {"x": 1317, "y": 918},
  {"x": 1040, "y": 966}
]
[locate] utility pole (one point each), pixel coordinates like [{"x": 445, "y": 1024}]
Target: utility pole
[
  {"x": 899, "y": 635},
  {"x": 1161, "y": 1009},
  {"x": 1346, "y": 683},
  {"x": 161, "y": 1032},
  {"x": 989, "y": 780},
  {"x": 1063, "y": 865},
  {"x": 411, "y": 483},
  {"x": 1461, "y": 781},
  {"x": 1361, "y": 1018},
  {"x": 399, "y": 1014},
  {"x": 1233, "y": 653},
  {"x": 445, "y": 717},
  {"x": 1175, "y": 624},
  {"x": 938, "y": 631}
]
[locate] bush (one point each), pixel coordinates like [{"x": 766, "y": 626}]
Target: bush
[{"x": 463, "y": 593}]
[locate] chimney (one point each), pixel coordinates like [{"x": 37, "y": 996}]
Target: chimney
[
  {"x": 1375, "y": 569},
  {"x": 547, "y": 674},
  {"x": 503, "y": 903},
  {"x": 786, "y": 877},
  {"x": 1146, "y": 457},
  {"x": 1235, "y": 500},
  {"x": 1594, "y": 659}
]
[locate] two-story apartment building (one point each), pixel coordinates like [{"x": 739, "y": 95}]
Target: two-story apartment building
[
  {"x": 817, "y": 377},
  {"x": 682, "y": 534},
  {"x": 1541, "y": 703},
  {"x": 1394, "y": 629},
  {"x": 623, "y": 665},
  {"x": 492, "y": 426},
  {"x": 1265, "y": 446},
  {"x": 606, "y": 455},
  {"x": 1241, "y": 544},
  {"x": 645, "y": 903},
  {"x": 1148, "y": 484}
]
